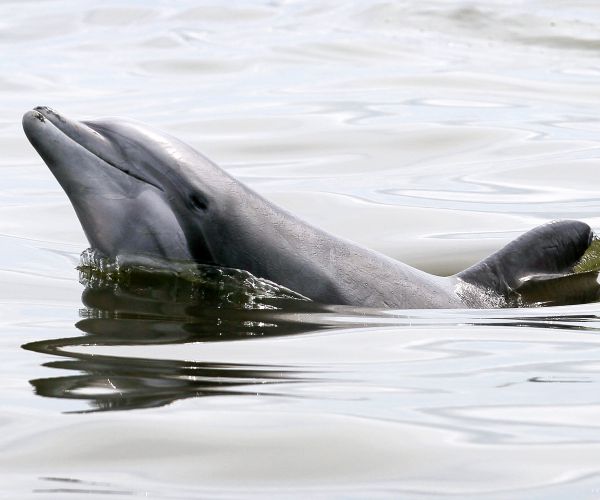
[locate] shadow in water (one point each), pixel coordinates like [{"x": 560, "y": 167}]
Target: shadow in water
[{"x": 137, "y": 306}]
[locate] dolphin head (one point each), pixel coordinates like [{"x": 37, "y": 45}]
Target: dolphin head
[{"x": 135, "y": 190}]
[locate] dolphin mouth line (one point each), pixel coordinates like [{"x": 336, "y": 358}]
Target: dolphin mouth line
[{"x": 49, "y": 115}]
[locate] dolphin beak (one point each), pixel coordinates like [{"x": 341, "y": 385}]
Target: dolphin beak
[
  {"x": 46, "y": 130},
  {"x": 34, "y": 123},
  {"x": 42, "y": 116}
]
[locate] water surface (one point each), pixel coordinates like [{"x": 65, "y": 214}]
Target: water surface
[{"x": 432, "y": 131}]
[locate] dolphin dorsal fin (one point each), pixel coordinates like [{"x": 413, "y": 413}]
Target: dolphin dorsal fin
[{"x": 549, "y": 250}]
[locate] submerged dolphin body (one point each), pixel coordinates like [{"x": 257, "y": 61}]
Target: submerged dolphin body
[{"x": 139, "y": 191}]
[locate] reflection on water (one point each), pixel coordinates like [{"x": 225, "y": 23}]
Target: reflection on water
[
  {"x": 120, "y": 383},
  {"x": 133, "y": 305},
  {"x": 130, "y": 304}
]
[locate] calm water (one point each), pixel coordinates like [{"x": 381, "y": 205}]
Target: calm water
[{"x": 432, "y": 131}]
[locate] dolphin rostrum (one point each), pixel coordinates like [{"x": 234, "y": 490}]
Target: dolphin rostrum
[{"x": 140, "y": 191}]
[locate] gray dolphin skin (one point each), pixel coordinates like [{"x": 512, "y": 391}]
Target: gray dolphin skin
[{"x": 137, "y": 190}]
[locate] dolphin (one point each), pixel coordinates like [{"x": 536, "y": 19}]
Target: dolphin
[{"x": 139, "y": 191}]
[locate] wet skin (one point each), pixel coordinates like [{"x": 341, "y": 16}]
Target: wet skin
[{"x": 139, "y": 191}]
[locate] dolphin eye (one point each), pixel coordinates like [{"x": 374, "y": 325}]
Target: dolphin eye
[{"x": 198, "y": 203}]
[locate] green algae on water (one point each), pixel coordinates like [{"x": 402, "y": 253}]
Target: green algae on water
[{"x": 590, "y": 261}]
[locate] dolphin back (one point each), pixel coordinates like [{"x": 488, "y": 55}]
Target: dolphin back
[{"x": 548, "y": 251}]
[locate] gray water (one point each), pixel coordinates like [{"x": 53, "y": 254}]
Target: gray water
[{"x": 434, "y": 132}]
